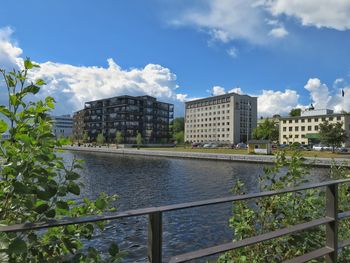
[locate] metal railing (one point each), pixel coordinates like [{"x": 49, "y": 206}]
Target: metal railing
[{"x": 330, "y": 220}]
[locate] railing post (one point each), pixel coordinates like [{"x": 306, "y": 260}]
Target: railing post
[
  {"x": 332, "y": 227},
  {"x": 154, "y": 250}
]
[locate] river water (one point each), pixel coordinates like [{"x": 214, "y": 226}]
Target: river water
[{"x": 154, "y": 181}]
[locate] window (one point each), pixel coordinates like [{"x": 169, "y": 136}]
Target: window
[
  {"x": 309, "y": 128},
  {"x": 284, "y": 121},
  {"x": 296, "y": 128},
  {"x": 338, "y": 118},
  {"x": 296, "y": 136},
  {"x": 296, "y": 121},
  {"x": 290, "y": 136},
  {"x": 302, "y": 120},
  {"x": 331, "y": 118},
  {"x": 303, "y": 136},
  {"x": 284, "y": 128},
  {"x": 316, "y": 119},
  {"x": 316, "y": 128},
  {"x": 323, "y": 119},
  {"x": 302, "y": 128},
  {"x": 290, "y": 128},
  {"x": 290, "y": 121}
]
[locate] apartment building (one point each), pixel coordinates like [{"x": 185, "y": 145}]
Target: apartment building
[
  {"x": 78, "y": 124},
  {"x": 304, "y": 129},
  {"x": 62, "y": 126},
  {"x": 228, "y": 118},
  {"x": 129, "y": 115}
]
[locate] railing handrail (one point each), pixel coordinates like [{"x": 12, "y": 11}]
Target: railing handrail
[{"x": 161, "y": 209}]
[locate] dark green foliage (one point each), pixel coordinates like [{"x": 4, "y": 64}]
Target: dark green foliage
[
  {"x": 258, "y": 216},
  {"x": 266, "y": 131},
  {"x": 100, "y": 139},
  {"x": 177, "y": 127},
  {"x": 332, "y": 134},
  {"x": 295, "y": 112},
  {"x": 35, "y": 183}
]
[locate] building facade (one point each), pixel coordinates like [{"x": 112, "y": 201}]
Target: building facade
[
  {"x": 228, "y": 118},
  {"x": 62, "y": 126},
  {"x": 78, "y": 125},
  {"x": 304, "y": 129},
  {"x": 129, "y": 115}
]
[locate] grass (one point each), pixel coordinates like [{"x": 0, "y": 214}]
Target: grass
[{"x": 323, "y": 154}]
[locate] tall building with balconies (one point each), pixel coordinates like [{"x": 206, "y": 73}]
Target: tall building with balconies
[
  {"x": 129, "y": 115},
  {"x": 228, "y": 118}
]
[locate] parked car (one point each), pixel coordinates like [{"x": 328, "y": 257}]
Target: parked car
[
  {"x": 341, "y": 150},
  {"x": 241, "y": 145},
  {"x": 321, "y": 147}
]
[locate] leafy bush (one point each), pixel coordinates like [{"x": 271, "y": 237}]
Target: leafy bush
[
  {"x": 35, "y": 183},
  {"x": 258, "y": 216}
]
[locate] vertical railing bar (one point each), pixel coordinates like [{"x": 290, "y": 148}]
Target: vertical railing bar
[
  {"x": 154, "y": 246},
  {"x": 332, "y": 227}
]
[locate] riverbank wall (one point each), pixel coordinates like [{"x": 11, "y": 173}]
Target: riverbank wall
[{"x": 323, "y": 162}]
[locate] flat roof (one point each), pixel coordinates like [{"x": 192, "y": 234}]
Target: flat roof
[
  {"x": 313, "y": 116},
  {"x": 218, "y": 97}
]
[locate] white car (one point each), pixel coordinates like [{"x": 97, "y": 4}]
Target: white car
[{"x": 320, "y": 147}]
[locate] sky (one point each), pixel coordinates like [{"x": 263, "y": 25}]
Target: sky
[{"x": 288, "y": 53}]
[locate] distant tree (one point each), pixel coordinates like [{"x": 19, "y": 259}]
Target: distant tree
[
  {"x": 179, "y": 137},
  {"x": 100, "y": 139},
  {"x": 178, "y": 124},
  {"x": 85, "y": 137},
  {"x": 295, "y": 112},
  {"x": 332, "y": 134},
  {"x": 266, "y": 131},
  {"x": 138, "y": 140},
  {"x": 118, "y": 138},
  {"x": 276, "y": 116}
]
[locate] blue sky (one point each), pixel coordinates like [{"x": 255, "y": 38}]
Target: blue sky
[{"x": 287, "y": 53}]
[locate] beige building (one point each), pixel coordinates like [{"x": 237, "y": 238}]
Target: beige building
[
  {"x": 228, "y": 118},
  {"x": 304, "y": 129}
]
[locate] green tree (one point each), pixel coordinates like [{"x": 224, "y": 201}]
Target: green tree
[
  {"x": 266, "y": 131},
  {"x": 138, "y": 140},
  {"x": 332, "y": 134},
  {"x": 100, "y": 139},
  {"x": 178, "y": 124},
  {"x": 295, "y": 112},
  {"x": 36, "y": 184},
  {"x": 118, "y": 138},
  {"x": 179, "y": 137},
  {"x": 85, "y": 137}
]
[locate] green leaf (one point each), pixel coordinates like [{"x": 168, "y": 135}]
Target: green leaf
[
  {"x": 13, "y": 99},
  {"x": 40, "y": 82},
  {"x": 17, "y": 246},
  {"x": 20, "y": 187},
  {"x": 28, "y": 64},
  {"x": 51, "y": 213},
  {"x": 41, "y": 208},
  {"x": 72, "y": 176},
  {"x": 73, "y": 188},
  {"x": 62, "y": 205},
  {"x": 31, "y": 89},
  {"x": 113, "y": 249},
  {"x": 3, "y": 126},
  {"x": 5, "y": 111},
  {"x": 101, "y": 204},
  {"x": 50, "y": 102}
]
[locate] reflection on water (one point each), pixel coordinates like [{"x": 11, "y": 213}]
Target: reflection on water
[{"x": 154, "y": 181}]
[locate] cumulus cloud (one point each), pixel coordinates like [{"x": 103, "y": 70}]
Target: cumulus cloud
[
  {"x": 319, "y": 93},
  {"x": 319, "y": 13},
  {"x": 227, "y": 20},
  {"x": 217, "y": 90},
  {"x": 278, "y": 32},
  {"x": 277, "y": 102},
  {"x": 71, "y": 85}
]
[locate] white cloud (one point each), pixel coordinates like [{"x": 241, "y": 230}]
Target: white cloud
[
  {"x": 320, "y": 13},
  {"x": 319, "y": 93},
  {"x": 277, "y": 102},
  {"x": 278, "y": 32},
  {"x": 227, "y": 20},
  {"x": 217, "y": 90},
  {"x": 71, "y": 85},
  {"x": 232, "y": 52},
  {"x": 236, "y": 90}
]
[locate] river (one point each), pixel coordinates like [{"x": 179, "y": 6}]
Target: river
[{"x": 153, "y": 181}]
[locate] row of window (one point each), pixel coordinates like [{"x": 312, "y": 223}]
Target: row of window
[
  {"x": 209, "y": 136},
  {"x": 208, "y": 102},
  {"x": 206, "y": 119},
  {"x": 208, "y": 130},
  {"x": 302, "y": 128},
  {"x": 206, "y": 124},
  {"x": 209, "y": 108},
  {"x": 338, "y": 118},
  {"x": 207, "y": 114},
  {"x": 296, "y": 136}
]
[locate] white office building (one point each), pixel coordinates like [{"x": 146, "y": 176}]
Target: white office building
[
  {"x": 228, "y": 118},
  {"x": 62, "y": 125}
]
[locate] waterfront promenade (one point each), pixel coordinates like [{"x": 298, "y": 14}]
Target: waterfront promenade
[{"x": 316, "y": 161}]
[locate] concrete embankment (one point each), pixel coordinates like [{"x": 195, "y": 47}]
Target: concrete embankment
[{"x": 206, "y": 156}]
